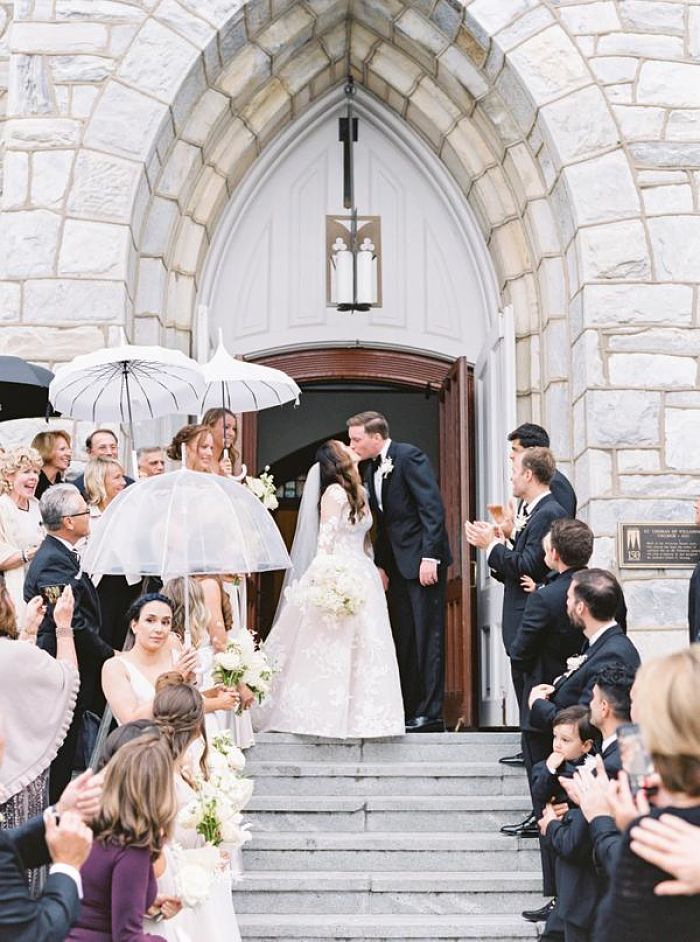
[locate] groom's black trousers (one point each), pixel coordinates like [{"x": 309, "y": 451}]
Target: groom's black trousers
[{"x": 417, "y": 616}]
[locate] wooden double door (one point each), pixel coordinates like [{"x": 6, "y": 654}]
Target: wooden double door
[{"x": 453, "y": 383}]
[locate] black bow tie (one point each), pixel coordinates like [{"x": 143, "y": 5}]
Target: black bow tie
[
  {"x": 376, "y": 462},
  {"x": 586, "y": 646}
]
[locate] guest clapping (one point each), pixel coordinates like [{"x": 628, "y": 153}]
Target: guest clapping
[
  {"x": 136, "y": 818},
  {"x": 66, "y": 519},
  {"x": 56, "y": 452},
  {"x": 667, "y": 703},
  {"x": 20, "y": 520},
  {"x": 198, "y": 443}
]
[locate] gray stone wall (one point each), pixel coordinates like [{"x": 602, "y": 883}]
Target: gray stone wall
[{"x": 571, "y": 127}]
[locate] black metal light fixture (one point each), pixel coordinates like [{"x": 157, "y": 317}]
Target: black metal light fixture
[{"x": 353, "y": 243}]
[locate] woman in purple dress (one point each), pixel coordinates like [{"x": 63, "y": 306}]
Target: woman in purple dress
[{"x": 136, "y": 819}]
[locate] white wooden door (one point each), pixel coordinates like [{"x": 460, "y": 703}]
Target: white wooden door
[{"x": 494, "y": 396}]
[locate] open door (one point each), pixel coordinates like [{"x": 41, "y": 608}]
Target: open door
[
  {"x": 456, "y": 427},
  {"x": 495, "y": 417}
]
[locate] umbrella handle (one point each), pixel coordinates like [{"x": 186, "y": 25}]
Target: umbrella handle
[{"x": 243, "y": 474}]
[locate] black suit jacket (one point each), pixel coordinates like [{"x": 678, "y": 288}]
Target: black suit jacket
[
  {"x": 563, "y": 493},
  {"x": 614, "y": 647},
  {"x": 580, "y": 886},
  {"x": 545, "y": 637},
  {"x": 694, "y": 606},
  {"x": 23, "y": 919},
  {"x": 54, "y": 564},
  {"x": 411, "y": 524},
  {"x": 526, "y": 558}
]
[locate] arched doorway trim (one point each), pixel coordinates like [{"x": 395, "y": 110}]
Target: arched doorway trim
[{"x": 404, "y": 137}]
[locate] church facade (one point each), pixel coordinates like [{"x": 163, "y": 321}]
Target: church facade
[{"x": 168, "y": 165}]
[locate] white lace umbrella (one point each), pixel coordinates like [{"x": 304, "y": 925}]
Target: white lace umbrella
[
  {"x": 244, "y": 387},
  {"x": 184, "y": 523},
  {"x": 127, "y": 384}
]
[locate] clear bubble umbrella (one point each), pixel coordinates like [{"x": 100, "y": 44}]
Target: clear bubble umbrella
[{"x": 185, "y": 523}]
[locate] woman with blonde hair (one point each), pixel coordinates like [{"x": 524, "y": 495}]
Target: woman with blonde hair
[
  {"x": 198, "y": 443},
  {"x": 21, "y": 529},
  {"x": 56, "y": 452},
  {"x": 104, "y": 480},
  {"x": 136, "y": 819},
  {"x": 337, "y": 674},
  {"x": 179, "y": 712},
  {"x": 667, "y": 706}
]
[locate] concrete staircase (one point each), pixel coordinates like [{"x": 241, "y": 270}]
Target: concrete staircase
[{"x": 386, "y": 839}]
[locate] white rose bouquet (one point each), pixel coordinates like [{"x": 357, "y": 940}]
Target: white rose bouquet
[
  {"x": 229, "y": 665},
  {"x": 215, "y": 811},
  {"x": 225, "y": 753},
  {"x": 264, "y": 488},
  {"x": 331, "y": 584},
  {"x": 241, "y": 662},
  {"x": 195, "y": 869}
]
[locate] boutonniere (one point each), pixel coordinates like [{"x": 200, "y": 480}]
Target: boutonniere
[
  {"x": 386, "y": 467},
  {"x": 573, "y": 663},
  {"x": 519, "y": 522}
]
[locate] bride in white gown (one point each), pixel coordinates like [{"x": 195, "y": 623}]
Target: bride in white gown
[{"x": 335, "y": 677}]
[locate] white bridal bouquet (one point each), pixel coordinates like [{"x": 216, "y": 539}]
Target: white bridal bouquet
[
  {"x": 242, "y": 662},
  {"x": 331, "y": 584},
  {"x": 195, "y": 869},
  {"x": 264, "y": 488}
]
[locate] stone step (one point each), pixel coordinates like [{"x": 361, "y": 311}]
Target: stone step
[
  {"x": 427, "y": 747},
  {"x": 265, "y": 928},
  {"x": 389, "y": 851},
  {"x": 437, "y": 893},
  {"x": 391, "y": 813},
  {"x": 385, "y": 778}
]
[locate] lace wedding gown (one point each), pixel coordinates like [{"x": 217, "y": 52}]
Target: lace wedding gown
[{"x": 336, "y": 678}]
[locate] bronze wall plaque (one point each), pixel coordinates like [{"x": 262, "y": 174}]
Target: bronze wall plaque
[{"x": 658, "y": 545}]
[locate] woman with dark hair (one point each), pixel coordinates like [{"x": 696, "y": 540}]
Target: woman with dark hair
[
  {"x": 331, "y": 642},
  {"x": 136, "y": 819},
  {"x": 129, "y": 679}
]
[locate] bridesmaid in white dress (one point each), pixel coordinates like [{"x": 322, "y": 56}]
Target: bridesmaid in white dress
[
  {"x": 336, "y": 677},
  {"x": 129, "y": 678},
  {"x": 178, "y": 710}
]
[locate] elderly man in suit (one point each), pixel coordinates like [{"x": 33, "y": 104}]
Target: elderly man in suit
[
  {"x": 59, "y": 838},
  {"x": 66, "y": 519}
]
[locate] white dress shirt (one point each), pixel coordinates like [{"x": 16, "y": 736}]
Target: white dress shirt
[
  {"x": 378, "y": 476},
  {"x": 71, "y": 872},
  {"x": 599, "y": 633}
]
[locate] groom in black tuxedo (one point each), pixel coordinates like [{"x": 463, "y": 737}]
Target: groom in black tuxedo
[{"x": 412, "y": 554}]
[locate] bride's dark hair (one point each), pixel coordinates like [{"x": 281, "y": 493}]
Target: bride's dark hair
[{"x": 337, "y": 467}]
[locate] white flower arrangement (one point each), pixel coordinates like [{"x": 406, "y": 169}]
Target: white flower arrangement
[
  {"x": 195, "y": 869},
  {"x": 215, "y": 811},
  {"x": 573, "y": 663},
  {"x": 224, "y": 752},
  {"x": 242, "y": 663},
  {"x": 386, "y": 467},
  {"x": 331, "y": 584},
  {"x": 264, "y": 488},
  {"x": 519, "y": 522}
]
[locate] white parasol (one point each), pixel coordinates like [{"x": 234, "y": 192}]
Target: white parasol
[{"x": 127, "y": 384}]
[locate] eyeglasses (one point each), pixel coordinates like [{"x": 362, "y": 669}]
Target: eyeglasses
[{"x": 83, "y": 513}]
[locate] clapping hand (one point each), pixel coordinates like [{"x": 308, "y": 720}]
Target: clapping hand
[
  {"x": 33, "y": 616},
  {"x": 540, "y": 692},
  {"x": 548, "y": 815},
  {"x": 624, "y": 806},
  {"x": 82, "y": 796},
  {"x": 528, "y": 584},
  {"x": 69, "y": 841},
  {"x": 480, "y": 533}
]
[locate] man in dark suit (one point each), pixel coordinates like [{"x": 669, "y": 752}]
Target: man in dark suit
[
  {"x": 694, "y": 591},
  {"x": 532, "y": 471},
  {"x": 529, "y": 435},
  {"x": 65, "y": 844},
  {"x": 66, "y": 519},
  {"x": 593, "y": 598},
  {"x": 412, "y": 553},
  {"x": 102, "y": 443},
  {"x": 580, "y": 883}
]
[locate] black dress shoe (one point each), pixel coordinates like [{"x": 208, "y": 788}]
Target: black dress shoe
[
  {"x": 540, "y": 915},
  {"x": 425, "y": 724},
  {"x": 516, "y": 761},
  {"x": 515, "y": 830}
]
